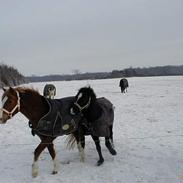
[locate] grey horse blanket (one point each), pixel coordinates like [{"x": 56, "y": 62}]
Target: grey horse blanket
[
  {"x": 58, "y": 121},
  {"x": 100, "y": 127}
]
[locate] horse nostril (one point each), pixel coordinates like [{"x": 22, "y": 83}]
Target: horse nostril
[{"x": 2, "y": 121}]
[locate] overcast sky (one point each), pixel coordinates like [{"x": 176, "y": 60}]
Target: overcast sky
[{"x": 42, "y": 37}]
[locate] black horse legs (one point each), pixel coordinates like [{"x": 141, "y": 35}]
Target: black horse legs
[
  {"x": 80, "y": 138},
  {"x": 109, "y": 146},
  {"x": 98, "y": 147}
]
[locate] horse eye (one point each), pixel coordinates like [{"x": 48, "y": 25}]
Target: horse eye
[{"x": 10, "y": 101}]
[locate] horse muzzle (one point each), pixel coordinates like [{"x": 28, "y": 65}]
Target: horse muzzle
[
  {"x": 2, "y": 122},
  {"x": 72, "y": 111}
]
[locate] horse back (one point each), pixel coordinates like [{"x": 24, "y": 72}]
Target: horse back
[
  {"x": 123, "y": 83},
  {"x": 102, "y": 124},
  {"x": 58, "y": 121}
]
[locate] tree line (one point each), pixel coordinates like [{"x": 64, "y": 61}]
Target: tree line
[
  {"x": 9, "y": 76},
  {"x": 150, "y": 71},
  {"x": 128, "y": 72}
]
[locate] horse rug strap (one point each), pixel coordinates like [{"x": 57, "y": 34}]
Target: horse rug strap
[
  {"x": 100, "y": 127},
  {"x": 58, "y": 121}
]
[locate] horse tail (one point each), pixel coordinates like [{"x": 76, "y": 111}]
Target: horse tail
[{"x": 71, "y": 141}]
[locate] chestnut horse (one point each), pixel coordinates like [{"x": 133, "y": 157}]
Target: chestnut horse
[{"x": 33, "y": 106}]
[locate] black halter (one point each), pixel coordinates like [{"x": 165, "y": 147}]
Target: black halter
[{"x": 84, "y": 107}]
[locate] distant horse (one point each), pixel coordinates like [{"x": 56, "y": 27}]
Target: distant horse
[
  {"x": 49, "y": 91},
  {"x": 99, "y": 115},
  {"x": 123, "y": 84},
  {"x": 40, "y": 112}
]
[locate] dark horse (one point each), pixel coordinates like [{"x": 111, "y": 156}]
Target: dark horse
[
  {"x": 35, "y": 107},
  {"x": 99, "y": 115},
  {"x": 123, "y": 84}
]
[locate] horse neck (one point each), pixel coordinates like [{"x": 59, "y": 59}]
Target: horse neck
[
  {"x": 33, "y": 107},
  {"x": 93, "y": 112}
]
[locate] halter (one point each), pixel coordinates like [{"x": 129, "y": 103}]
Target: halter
[
  {"x": 85, "y": 106},
  {"x": 10, "y": 114}
]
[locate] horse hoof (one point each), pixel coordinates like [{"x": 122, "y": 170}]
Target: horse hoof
[
  {"x": 54, "y": 172},
  {"x": 100, "y": 162},
  {"x": 113, "y": 152},
  {"x": 82, "y": 160},
  {"x": 34, "y": 175}
]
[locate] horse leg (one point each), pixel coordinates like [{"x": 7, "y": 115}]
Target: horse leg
[
  {"x": 121, "y": 90},
  {"x": 81, "y": 151},
  {"x": 98, "y": 147},
  {"x": 124, "y": 90},
  {"x": 52, "y": 152},
  {"x": 80, "y": 144},
  {"x": 37, "y": 152},
  {"x": 111, "y": 135},
  {"x": 109, "y": 146},
  {"x": 81, "y": 147}
]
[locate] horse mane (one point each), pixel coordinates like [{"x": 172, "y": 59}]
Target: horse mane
[
  {"x": 89, "y": 91},
  {"x": 27, "y": 90}
]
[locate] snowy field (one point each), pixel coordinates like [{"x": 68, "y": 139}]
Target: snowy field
[{"x": 148, "y": 137}]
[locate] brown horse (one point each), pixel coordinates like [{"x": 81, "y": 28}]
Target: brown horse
[{"x": 33, "y": 106}]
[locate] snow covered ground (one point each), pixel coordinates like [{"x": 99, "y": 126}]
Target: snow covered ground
[{"x": 148, "y": 136}]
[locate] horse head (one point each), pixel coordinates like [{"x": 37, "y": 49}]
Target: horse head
[
  {"x": 10, "y": 104},
  {"x": 84, "y": 98},
  {"x": 26, "y": 100},
  {"x": 49, "y": 91}
]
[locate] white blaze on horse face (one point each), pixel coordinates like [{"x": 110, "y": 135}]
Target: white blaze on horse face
[
  {"x": 4, "y": 101},
  {"x": 79, "y": 96},
  {"x": 2, "y": 105}
]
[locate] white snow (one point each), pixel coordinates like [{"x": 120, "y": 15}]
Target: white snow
[{"x": 148, "y": 137}]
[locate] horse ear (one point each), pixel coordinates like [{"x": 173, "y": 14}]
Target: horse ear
[
  {"x": 5, "y": 88},
  {"x": 11, "y": 89},
  {"x": 88, "y": 85}
]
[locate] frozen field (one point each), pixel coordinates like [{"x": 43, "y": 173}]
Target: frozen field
[{"x": 148, "y": 137}]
